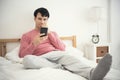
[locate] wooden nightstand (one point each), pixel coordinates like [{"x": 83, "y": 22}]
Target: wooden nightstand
[
  {"x": 95, "y": 52},
  {"x": 101, "y": 51}
]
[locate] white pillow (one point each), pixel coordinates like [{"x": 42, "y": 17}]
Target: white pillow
[
  {"x": 74, "y": 52},
  {"x": 13, "y": 55}
]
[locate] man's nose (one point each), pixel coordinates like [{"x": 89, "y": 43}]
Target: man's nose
[{"x": 42, "y": 21}]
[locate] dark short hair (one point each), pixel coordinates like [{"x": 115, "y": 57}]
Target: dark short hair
[{"x": 42, "y": 11}]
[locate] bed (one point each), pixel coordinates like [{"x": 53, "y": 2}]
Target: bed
[{"x": 11, "y": 67}]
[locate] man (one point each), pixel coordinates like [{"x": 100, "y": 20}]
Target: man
[{"x": 34, "y": 45}]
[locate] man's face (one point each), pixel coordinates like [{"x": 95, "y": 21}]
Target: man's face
[{"x": 40, "y": 21}]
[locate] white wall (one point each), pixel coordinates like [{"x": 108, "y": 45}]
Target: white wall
[
  {"x": 115, "y": 33},
  {"x": 67, "y": 17}
]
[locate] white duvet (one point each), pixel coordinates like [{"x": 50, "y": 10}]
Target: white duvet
[
  {"x": 13, "y": 69},
  {"x": 18, "y": 73}
]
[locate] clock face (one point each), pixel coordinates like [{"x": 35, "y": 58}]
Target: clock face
[{"x": 95, "y": 39}]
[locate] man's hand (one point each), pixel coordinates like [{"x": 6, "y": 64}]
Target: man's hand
[
  {"x": 44, "y": 25},
  {"x": 37, "y": 39}
]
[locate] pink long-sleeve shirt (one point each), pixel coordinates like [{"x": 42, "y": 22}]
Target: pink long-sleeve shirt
[{"x": 52, "y": 43}]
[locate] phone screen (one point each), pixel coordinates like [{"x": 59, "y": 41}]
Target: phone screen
[{"x": 43, "y": 30}]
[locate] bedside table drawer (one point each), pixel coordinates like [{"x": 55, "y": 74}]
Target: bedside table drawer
[{"x": 102, "y": 50}]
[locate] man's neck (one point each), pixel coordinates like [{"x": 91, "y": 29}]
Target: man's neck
[{"x": 36, "y": 28}]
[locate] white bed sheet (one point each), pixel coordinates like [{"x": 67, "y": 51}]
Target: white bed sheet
[
  {"x": 14, "y": 70},
  {"x": 17, "y": 72},
  {"x": 113, "y": 74}
]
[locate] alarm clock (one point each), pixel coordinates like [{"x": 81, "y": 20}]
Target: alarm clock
[{"x": 95, "y": 39}]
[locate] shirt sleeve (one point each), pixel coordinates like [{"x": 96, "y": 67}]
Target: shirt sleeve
[
  {"x": 56, "y": 41},
  {"x": 26, "y": 46}
]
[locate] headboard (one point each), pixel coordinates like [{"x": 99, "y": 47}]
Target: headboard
[{"x": 3, "y": 43}]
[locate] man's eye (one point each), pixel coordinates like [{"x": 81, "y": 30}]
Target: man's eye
[
  {"x": 39, "y": 18},
  {"x": 45, "y": 19}
]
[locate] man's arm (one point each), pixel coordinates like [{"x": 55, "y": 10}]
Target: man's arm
[
  {"x": 56, "y": 41},
  {"x": 26, "y": 46}
]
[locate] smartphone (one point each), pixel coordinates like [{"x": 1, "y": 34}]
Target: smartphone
[{"x": 43, "y": 30}]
